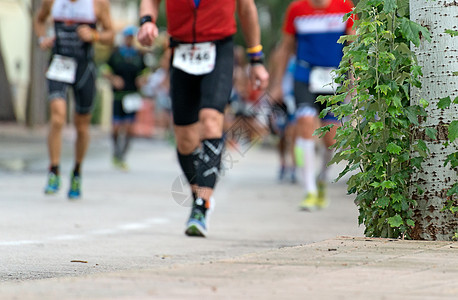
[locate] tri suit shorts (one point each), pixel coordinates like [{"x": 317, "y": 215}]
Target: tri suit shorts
[
  {"x": 84, "y": 88},
  {"x": 191, "y": 93}
]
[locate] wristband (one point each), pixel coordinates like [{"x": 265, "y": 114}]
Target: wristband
[
  {"x": 254, "y": 49},
  {"x": 145, "y": 19},
  {"x": 257, "y": 61}
]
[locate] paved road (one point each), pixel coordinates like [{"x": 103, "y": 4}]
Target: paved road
[{"x": 130, "y": 221}]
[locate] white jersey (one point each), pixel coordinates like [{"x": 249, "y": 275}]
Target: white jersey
[
  {"x": 79, "y": 11},
  {"x": 68, "y": 16}
]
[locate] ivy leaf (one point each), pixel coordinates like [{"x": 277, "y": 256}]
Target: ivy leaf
[
  {"x": 322, "y": 130},
  {"x": 424, "y": 103},
  {"x": 410, "y": 223},
  {"x": 444, "y": 103},
  {"x": 395, "y": 221},
  {"x": 393, "y": 148},
  {"x": 452, "y": 32},
  {"x": 453, "y": 131},
  {"x": 324, "y": 112},
  {"x": 376, "y": 125},
  {"x": 388, "y": 184},
  {"x": 453, "y": 190},
  {"x": 390, "y": 5},
  {"x": 382, "y": 202},
  {"x": 412, "y": 115},
  {"x": 455, "y": 73},
  {"x": 412, "y": 30},
  {"x": 456, "y": 100},
  {"x": 431, "y": 132}
]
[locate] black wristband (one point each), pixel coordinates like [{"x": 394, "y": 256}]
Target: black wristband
[
  {"x": 145, "y": 19},
  {"x": 257, "y": 61}
]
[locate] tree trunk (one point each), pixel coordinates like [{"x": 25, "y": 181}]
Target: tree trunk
[
  {"x": 439, "y": 60},
  {"x": 6, "y": 97},
  {"x": 37, "y": 104}
]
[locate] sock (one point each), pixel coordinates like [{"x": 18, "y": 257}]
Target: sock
[
  {"x": 54, "y": 169},
  {"x": 209, "y": 162},
  {"x": 327, "y": 156},
  {"x": 126, "y": 145},
  {"x": 76, "y": 170},
  {"x": 116, "y": 150},
  {"x": 189, "y": 164},
  {"x": 307, "y": 146}
]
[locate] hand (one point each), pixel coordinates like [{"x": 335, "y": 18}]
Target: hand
[
  {"x": 86, "y": 33},
  {"x": 117, "y": 82},
  {"x": 46, "y": 43},
  {"x": 259, "y": 77},
  {"x": 147, "y": 33}
]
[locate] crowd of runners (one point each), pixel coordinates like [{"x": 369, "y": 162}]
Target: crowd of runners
[{"x": 202, "y": 85}]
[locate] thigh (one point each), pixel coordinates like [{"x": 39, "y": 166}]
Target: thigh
[
  {"x": 185, "y": 96},
  {"x": 57, "y": 90},
  {"x": 85, "y": 88},
  {"x": 216, "y": 86}
]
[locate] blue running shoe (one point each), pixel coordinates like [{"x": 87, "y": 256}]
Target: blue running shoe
[
  {"x": 75, "y": 188},
  {"x": 197, "y": 223},
  {"x": 53, "y": 184}
]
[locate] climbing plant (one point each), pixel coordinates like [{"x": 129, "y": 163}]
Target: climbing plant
[{"x": 376, "y": 73}]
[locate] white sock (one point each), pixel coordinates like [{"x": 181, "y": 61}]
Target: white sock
[
  {"x": 327, "y": 156},
  {"x": 308, "y": 148}
]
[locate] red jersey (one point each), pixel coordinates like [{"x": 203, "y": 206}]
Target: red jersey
[{"x": 211, "y": 20}]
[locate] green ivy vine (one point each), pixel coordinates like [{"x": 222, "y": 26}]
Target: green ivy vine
[{"x": 376, "y": 73}]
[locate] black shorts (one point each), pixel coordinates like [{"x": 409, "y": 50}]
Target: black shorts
[
  {"x": 191, "y": 93},
  {"x": 84, "y": 88},
  {"x": 119, "y": 115},
  {"x": 306, "y": 100}
]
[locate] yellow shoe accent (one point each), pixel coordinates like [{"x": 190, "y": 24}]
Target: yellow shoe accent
[
  {"x": 310, "y": 202},
  {"x": 322, "y": 201}
]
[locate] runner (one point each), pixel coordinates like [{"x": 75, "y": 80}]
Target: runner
[
  {"x": 201, "y": 80},
  {"x": 311, "y": 31},
  {"x": 71, "y": 66},
  {"x": 125, "y": 68}
]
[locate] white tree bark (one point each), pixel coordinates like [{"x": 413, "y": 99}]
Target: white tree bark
[{"x": 439, "y": 59}]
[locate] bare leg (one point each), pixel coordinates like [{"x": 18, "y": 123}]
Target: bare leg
[
  {"x": 82, "y": 123},
  {"x": 58, "y": 109}
]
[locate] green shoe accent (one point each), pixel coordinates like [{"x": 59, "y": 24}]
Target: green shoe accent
[
  {"x": 322, "y": 201},
  {"x": 310, "y": 202},
  {"x": 75, "y": 187},
  {"x": 53, "y": 184}
]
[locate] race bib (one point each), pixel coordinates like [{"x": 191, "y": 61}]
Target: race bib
[
  {"x": 322, "y": 80},
  {"x": 197, "y": 59},
  {"x": 62, "y": 69},
  {"x": 132, "y": 103}
]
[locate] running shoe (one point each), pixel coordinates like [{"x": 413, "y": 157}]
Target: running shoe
[
  {"x": 53, "y": 184},
  {"x": 120, "y": 164},
  {"x": 75, "y": 188},
  {"x": 282, "y": 173},
  {"x": 197, "y": 223},
  {"x": 322, "y": 201},
  {"x": 310, "y": 202}
]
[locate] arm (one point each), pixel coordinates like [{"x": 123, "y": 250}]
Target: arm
[
  {"x": 106, "y": 36},
  {"x": 285, "y": 50},
  {"x": 148, "y": 31},
  {"x": 248, "y": 15},
  {"x": 39, "y": 24}
]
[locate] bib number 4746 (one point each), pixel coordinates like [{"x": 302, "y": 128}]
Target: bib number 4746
[{"x": 197, "y": 59}]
